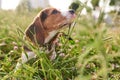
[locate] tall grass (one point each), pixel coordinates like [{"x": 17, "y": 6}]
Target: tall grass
[{"x": 93, "y": 54}]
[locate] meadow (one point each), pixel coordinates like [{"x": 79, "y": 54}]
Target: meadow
[{"x": 93, "y": 54}]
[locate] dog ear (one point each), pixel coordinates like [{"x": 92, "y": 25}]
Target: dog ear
[
  {"x": 43, "y": 16},
  {"x": 35, "y": 31}
]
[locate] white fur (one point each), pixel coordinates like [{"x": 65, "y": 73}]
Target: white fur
[
  {"x": 66, "y": 14},
  {"x": 25, "y": 57},
  {"x": 50, "y": 36}
]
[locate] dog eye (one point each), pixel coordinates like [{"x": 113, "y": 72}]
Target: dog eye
[{"x": 54, "y": 12}]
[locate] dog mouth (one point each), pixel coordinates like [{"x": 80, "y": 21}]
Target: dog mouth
[
  {"x": 65, "y": 24},
  {"x": 68, "y": 22}
]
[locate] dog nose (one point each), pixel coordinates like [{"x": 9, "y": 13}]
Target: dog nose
[{"x": 71, "y": 11}]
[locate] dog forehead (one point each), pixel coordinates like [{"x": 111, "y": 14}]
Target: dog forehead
[
  {"x": 48, "y": 14},
  {"x": 49, "y": 10}
]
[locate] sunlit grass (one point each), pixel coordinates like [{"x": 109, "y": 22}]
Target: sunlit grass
[{"x": 94, "y": 53}]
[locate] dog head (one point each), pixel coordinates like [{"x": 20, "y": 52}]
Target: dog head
[
  {"x": 54, "y": 19},
  {"x": 47, "y": 23}
]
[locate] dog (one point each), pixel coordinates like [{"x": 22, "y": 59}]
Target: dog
[{"x": 44, "y": 30}]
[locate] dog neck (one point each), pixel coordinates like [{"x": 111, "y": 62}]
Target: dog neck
[{"x": 50, "y": 36}]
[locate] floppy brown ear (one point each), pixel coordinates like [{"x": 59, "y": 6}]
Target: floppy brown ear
[
  {"x": 43, "y": 16},
  {"x": 35, "y": 31}
]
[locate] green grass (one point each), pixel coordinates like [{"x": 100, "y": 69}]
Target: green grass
[{"x": 93, "y": 55}]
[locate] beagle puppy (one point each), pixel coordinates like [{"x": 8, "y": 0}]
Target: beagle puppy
[{"x": 45, "y": 29}]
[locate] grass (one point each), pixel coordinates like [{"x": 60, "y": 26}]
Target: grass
[{"x": 94, "y": 53}]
